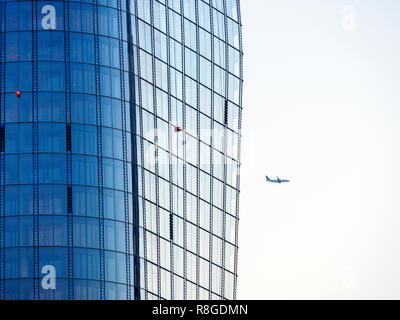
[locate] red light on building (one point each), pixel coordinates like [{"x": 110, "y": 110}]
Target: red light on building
[
  {"x": 18, "y": 94},
  {"x": 179, "y": 129}
]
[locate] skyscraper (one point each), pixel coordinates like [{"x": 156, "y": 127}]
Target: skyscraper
[{"x": 119, "y": 139}]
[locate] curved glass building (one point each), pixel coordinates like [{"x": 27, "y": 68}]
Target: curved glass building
[{"x": 119, "y": 149}]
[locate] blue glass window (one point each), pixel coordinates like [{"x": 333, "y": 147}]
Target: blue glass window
[
  {"x": 46, "y": 231},
  {"x": 11, "y": 263},
  {"x": 117, "y": 136},
  {"x": 88, "y": 48},
  {"x": 76, "y": 47},
  {"x": 62, "y": 290},
  {"x": 26, "y": 231},
  {"x": 91, "y": 171},
  {"x": 110, "y": 266},
  {"x": 12, "y": 52},
  {"x": 25, "y": 106},
  {"x": 119, "y": 206},
  {"x": 109, "y": 232},
  {"x": 105, "y": 80},
  {"x": 46, "y": 257},
  {"x": 11, "y": 200},
  {"x": 12, "y": 16},
  {"x": 58, "y": 104},
  {"x": 25, "y": 16},
  {"x": 121, "y": 267},
  {"x": 45, "y": 199},
  {"x": 45, "y": 168},
  {"x": 121, "y": 290},
  {"x": 59, "y": 137},
  {"x": 11, "y": 108},
  {"x": 75, "y": 17},
  {"x": 91, "y": 140},
  {"x": 116, "y": 83},
  {"x": 58, "y": 76},
  {"x": 106, "y": 112},
  {"x": 92, "y": 233},
  {"x": 57, "y": 46},
  {"x": 79, "y": 232},
  {"x": 89, "y": 79},
  {"x": 111, "y": 290},
  {"x": 11, "y": 231},
  {"x": 93, "y": 290},
  {"x": 44, "y": 45},
  {"x": 26, "y": 264},
  {"x": 104, "y": 44},
  {"x": 44, "y": 76},
  {"x": 87, "y": 18},
  {"x": 114, "y": 49},
  {"x": 26, "y": 289},
  {"x": 59, "y": 167},
  {"x": 117, "y": 114},
  {"x": 79, "y": 200},
  {"x": 120, "y": 236},
  {"x": 92, "y": 202},
  {"x": 76, "y": 77},
  {"x": 108, "y": 196},
  {"x": 44, "y": 106},
  {"x": 60, "y": 231},
  {"x": 78, "y": 169},
  {"x": 108, "y": 173},
  {"x": 77, "y": 136},
  {"x": 26, "y": 199},
  {"x": 45, "y": 137},
  {"x": 108, "y": 142},
  {"x": 80, "y": 289},
  {"x": 104, "y": 21},
  {"x": 12, "y": 77},
  {"x": 80, "y": 263},
  {"x": 90, "y": 109},
  {"x": 93, "y": 265},
  {"x": 118, "y": 173},
  {"x": 77, "y": 114},
  {"x": 60, "y": 199},
  {"x": 11, "y": 169},
  {"x": 11, "y": 138}
]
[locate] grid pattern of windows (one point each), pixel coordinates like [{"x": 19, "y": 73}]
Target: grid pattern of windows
[
  {"x": 119, "y": 158},
  {"x": 66, "y": 190},
  {"x": 188, "y": 106}
]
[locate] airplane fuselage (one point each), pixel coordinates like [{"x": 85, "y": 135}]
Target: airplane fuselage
[{"x": 277, "y": 180}]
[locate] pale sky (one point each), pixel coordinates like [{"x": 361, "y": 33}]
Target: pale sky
[{"x": 321, "y": 108}]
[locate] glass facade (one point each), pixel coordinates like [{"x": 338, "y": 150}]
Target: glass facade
[{"x": 119, "y": 149}]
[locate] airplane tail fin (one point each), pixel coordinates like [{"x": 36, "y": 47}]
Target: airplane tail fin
[{"x": 268, "y": 179}]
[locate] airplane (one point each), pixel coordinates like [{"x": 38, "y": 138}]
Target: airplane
[{"x": 277, "y": 180}]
